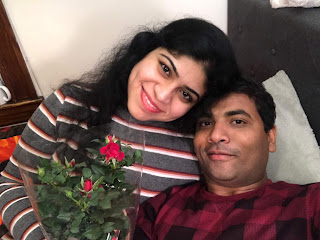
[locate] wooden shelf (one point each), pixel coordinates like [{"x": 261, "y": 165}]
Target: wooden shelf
[{"x": 13, "y": 113}]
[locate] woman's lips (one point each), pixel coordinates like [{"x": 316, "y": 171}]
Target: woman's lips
[{"x": 148, "y": 104}]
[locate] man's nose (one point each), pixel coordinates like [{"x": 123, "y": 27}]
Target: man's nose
[{"x": 219, "y": 134}]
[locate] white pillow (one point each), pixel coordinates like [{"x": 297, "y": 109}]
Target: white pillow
[
  {"x": 297, "y": 159},
  {"x": 295, "y": 3}
]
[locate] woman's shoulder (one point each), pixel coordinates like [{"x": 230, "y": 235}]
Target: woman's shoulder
[
  {"x": 72, "y": 96},
  {"x": 73, "y": 90}
]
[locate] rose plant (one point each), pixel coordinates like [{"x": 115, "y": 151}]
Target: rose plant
[{"x": 76, "y": 201}]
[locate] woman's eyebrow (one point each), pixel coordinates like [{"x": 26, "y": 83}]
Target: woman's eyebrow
[
  {"x": 193, "y": 91},
  {"x": 176, "y": 72},
  {"x": 172, "y": 64}
]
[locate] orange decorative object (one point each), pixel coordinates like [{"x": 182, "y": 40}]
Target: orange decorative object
[{"x": 7, "y": 146}]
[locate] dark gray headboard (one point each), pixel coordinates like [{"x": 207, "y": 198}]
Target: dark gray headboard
[{"x": 267, "y": 40}]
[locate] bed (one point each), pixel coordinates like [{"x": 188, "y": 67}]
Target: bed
[{"x": 267, "y": 40}]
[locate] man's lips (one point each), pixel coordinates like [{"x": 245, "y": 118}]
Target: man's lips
[
  {"x": 220, "y": 155},
  {"x": 148, "y": 104}
]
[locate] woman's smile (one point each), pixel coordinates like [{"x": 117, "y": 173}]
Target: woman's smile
[
  {"x": 163, "y": 86},
  {"x": 147, "y": 102}
]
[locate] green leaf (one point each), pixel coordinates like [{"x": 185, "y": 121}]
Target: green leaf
[
  {"x": 109, "y": 178},
  {"x": 108, "y": 227},
  {"x": 47, "y": 178},
  {"x": 86, "y": 172},
  {"x": 120, "y": 175},
  {"x": 79, "y": 215},
  {"x": 74, "y": 229},
  {"x": 105, "y": 203},
  {"x": 93, "y": 232},
  {"x": 45, "y": 163},
  {"x": 72, "y": 181},
  {"x": 66, "y": 232},
  {"x": 138, "y": 154},
  {"x": 79, "y": 165},
  {"x": 59, "y": 179},
  {"x": 94, "y": 151},
  {"x": 94, "y": 198},
  {"x": 129, "y": 161},
  {"x": 64, "y": 217},
  {"x": 98, "y": 169},
  {"x": 76, "y": 222}
]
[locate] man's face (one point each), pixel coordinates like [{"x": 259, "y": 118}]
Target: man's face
[{"x": 231, "y": 144}]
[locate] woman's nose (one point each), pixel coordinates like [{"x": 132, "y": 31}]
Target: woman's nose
[
  {"x": 164, "y": 92},
  {"x": 219, "y": 134}
]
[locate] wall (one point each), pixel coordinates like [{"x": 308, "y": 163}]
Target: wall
[{"x": 63, "y": 39}]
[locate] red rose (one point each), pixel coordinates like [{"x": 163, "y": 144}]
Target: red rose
[
  {"x": 73, "y": 163},
  {"x": 120, "y": 156},
  {"x": 112, "y": 150},
  {"x": 87, "y": 185},
  {"x": 103, "y": 150},
  {"x": 111, "y": 146}
]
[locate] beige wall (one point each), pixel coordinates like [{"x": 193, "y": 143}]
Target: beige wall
[{"x": 63, "y": 39}]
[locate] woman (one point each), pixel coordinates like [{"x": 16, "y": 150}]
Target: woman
[{"x": 151, "y": 82}]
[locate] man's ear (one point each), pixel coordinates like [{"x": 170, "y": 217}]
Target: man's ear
[{"x": 272, "y": 136}]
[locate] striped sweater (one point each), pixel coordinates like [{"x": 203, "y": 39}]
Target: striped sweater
[{"x": 168, "y": 157}]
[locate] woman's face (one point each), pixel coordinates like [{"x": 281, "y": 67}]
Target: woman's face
[{"x": 163, "y": 87}]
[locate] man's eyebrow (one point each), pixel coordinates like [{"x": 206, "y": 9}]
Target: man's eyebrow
[
  {"x": 172, "y": 64},
  {"x": 238, "y": 112},
  {"x": 205, "y": 114}
]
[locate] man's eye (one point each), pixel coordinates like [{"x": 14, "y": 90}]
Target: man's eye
[
  {"x": 165, "y": 68},
  {"x": 203, "y": 124},
  {"x": 238, "y": 122}
]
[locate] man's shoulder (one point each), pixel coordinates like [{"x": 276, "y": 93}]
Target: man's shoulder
[
  {"x": 176, "y": 194},
  {"x": 295, "y": 189},
  {"x": 283, "y": 184},
  {"x": 188, "y": 188}
]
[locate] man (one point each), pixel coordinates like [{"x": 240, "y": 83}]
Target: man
[{"x": 235, "y": 133}]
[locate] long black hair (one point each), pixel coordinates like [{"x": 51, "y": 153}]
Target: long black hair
[{"x": 192, "y": 37}]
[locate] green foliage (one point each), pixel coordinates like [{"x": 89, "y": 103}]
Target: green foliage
[{"x": 67, "y": 209}]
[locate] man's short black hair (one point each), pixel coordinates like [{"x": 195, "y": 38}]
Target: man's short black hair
[{"x": 263, "y": 100}]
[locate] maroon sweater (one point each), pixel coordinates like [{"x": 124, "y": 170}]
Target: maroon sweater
[{"x": 274, "y": 211}]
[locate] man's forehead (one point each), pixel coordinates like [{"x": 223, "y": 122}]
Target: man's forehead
[{"x": 234, "y": 102}]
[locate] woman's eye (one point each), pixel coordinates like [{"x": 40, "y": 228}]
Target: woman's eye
[
  {"x": 165, "y": 68},
  {"x": 186, "y": 96}
]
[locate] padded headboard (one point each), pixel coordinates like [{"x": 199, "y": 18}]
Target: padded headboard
[{"x": 267, "y": 40}]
